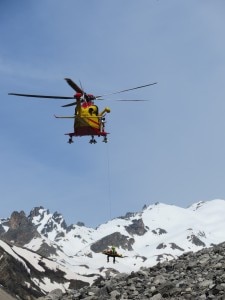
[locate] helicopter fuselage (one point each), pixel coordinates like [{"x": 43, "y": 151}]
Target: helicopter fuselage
[{"x": 88, "y": 120}]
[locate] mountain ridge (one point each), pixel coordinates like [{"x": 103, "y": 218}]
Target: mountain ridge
[{"x": 159, "y": 232}]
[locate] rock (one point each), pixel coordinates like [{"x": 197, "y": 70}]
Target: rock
[
  {"x": 115, "y": 295},
  {"x": 55, "y": 294},
  {"x": 197, "y": 275},
  {"x": 116, "y": 239},
  {"x": 156, "y": 297},
  {"x": 137, "y": 227},
  {"x": 21, "y": 230}
]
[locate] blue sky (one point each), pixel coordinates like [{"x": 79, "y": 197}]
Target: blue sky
[{"x": 170, "y": 149}]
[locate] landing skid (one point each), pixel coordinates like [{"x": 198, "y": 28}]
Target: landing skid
[
  {"x": 92, "y": 140},
  {"x": 105, "y": 140},
  {"x": 70, "y": 141}
]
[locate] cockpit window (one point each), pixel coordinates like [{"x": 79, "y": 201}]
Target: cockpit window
[{"x": 93, "y": 110}]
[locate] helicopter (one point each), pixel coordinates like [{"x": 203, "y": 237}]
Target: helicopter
[{"x": 88, "y": 121}]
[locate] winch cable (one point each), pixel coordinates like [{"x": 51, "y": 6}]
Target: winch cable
[{"x": 109, "y": 181}]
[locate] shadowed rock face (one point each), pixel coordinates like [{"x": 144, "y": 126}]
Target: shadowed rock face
[
  {"x": 23, "y": 280},
  {"x": 195, "y": 240},
  {"x": 15, "y": 278},
  {"x": 1, "y": 229},
  {"x": 116, "y": 239},
  {"x": 35, "y": 212},
  {"x": 21, "y": 230},
  {"x": 46, "y": 250},
  {"x": 159, "y": 231},
  {"x": 171, "y": 245},
  {"x": 161, "y": 246},
  {"x": 52, "y": 224},
  {"x": 137, "y": 227},
  {"x": 175, "y": 246}
]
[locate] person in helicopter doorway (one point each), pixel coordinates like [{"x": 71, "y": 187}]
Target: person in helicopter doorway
[{"x": 112, "y": 252}]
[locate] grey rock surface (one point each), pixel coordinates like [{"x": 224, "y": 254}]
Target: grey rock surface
[
  {"x": 197, "y": 275},
  {"x": 6, "y": 296}
]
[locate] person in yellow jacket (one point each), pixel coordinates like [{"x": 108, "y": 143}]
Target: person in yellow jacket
[
  {"x": 112, "y": 252},
  {"x": 113, "y": 249}
]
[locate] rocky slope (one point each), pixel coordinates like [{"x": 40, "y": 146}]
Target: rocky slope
[
  {"x": 29, "y": 275},
  {"x": 46, "y": 254},
  {"x": 5, "y": 295},
  {"x": 197, "y": 275}
]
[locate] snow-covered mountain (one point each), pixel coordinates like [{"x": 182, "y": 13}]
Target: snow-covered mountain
[{"x": 47, "y": 248}]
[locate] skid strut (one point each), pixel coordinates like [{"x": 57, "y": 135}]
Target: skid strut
[
  {"x": 92, "y": 140},
  {"x": 70, "y": 141},
  {"x": 105, "y": 140}
]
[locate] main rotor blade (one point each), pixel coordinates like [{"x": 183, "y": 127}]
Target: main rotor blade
[
  {"x": 135, "y": 88},
  {"x": 70, "y": 104},
  {"x": 122, "y": 99},
  {"x": 134, "y": 100},
  {"x": 74, "y": 86},
  {"x": 41, "y": 96}
]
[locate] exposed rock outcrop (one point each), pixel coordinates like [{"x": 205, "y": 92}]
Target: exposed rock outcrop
[
  {"x": 197, "y": 275},
  {"x": 16, "y": 278},
  {"x": 21, "y": 230},
  {"x": 137, "y": 227},
  {"x": 117, "y": 239}
]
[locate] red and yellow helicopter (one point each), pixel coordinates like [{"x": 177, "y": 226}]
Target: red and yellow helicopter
[{"x": 88, "y": 121}]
